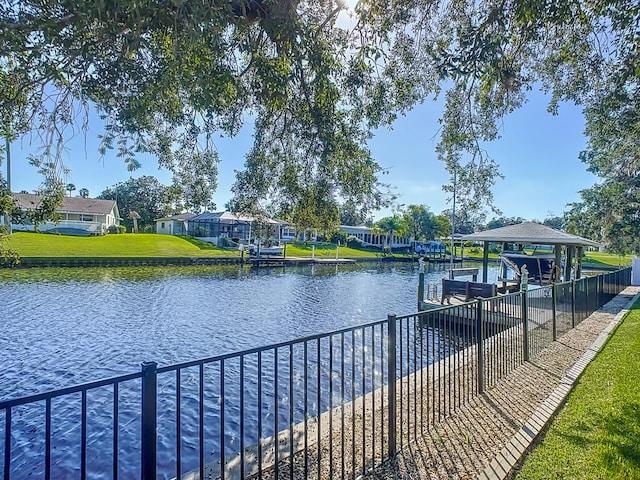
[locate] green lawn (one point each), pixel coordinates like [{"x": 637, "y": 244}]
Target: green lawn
[
  {"x": 597, "y": 434},
  {"x": 124, "y": 245},
  {"x": 29, "y": 244},
  {"x": 608, "y": 259},
  {"x": 328, "y": 250},
  {"x": 592, "y": 258}
]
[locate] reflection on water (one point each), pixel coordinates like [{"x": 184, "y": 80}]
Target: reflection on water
[{"x": 69, "y": 326}]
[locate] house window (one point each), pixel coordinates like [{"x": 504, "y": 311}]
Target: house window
[
  {"x": 86, "y": 218},
  {"x": 162, "y": 225}
]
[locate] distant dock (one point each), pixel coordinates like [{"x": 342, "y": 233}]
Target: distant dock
[{"x": 273, "y": 261}]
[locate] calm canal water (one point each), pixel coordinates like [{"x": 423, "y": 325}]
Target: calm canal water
[{"x": 67, "y": 326}]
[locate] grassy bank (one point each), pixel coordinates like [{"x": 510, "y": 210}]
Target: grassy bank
[
  {"x": 597, "y": 434},
  {"x": 601, "y": 258},
  {"x": 29, "y": 244},
  {"x": 590, "y": 258},
  {"x": 126, "y": 245}
]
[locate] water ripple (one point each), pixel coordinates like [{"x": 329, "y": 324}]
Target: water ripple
[{"x": 70, "y": 326}]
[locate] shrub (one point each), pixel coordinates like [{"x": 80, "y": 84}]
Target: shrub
[
  {"x": 338, "y": 236},
  {"x": 354, "y": 242}
]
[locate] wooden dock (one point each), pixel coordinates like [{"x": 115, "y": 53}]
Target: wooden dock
[
  {"x": 497, "y": 315},
  {"x": 463, "y": 317},
  {"x": 273, "y": 261}
]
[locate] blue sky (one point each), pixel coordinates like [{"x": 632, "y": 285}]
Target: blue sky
[{"x": 538, "y": 155}]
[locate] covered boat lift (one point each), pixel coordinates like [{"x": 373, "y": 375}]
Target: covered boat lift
[{"x": 530, "y": 233}]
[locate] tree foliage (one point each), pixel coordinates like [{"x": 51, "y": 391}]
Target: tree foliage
[
  {"x": 144, "y": 195},
  {"x": 503, "y": 222},
  {"x": 421, "y": 223},
  {"x": 390, "y": 226},
  {"x": 351, "y": 214},
  {"x": 554, "y": 221},
  {"x": 610, "y": 210},
  {"x": 169, "y": 77}
]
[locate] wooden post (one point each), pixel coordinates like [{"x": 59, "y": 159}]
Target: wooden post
[
  {"x": 567, "y": 267},
  {"x": 557, "y": 267},
  {"x": 579, "y": 262}
]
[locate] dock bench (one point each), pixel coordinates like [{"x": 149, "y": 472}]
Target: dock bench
[
  {"x": 470, "y": 290},
  {"x": 461, "y": 272}
]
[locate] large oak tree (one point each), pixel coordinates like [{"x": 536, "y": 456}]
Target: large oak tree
[{"x": 169, "y": 76}]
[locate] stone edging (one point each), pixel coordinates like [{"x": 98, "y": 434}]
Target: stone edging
[{"x": 505, "y": 461}]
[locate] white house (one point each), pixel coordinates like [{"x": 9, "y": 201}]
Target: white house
[
  {"x": 78, "y": 216},
  {"x": 174, "y": 224},
  {"x": 368, "y": 238}
]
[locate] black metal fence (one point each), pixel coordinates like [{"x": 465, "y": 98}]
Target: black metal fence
[{"x": 325, "y": 406}]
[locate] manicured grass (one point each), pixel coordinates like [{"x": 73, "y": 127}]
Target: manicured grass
[
  {"x": 597, "y": 434},
  {"x": 328, "y": 250},
  {"x": 126, "y": 245},
  {"x": 592, "y": 258},
  {"x": 29, "y": 244},
  {"x": 608, "y": 259}
]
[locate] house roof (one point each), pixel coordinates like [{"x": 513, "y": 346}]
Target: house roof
[
  {"x": 530, "y": 233},
  {"x": 233, "y": 217},
  {"x": 177, "y": 217},
  {"x": 30, "y": 201},
  {"x": 360, "y": 228}
]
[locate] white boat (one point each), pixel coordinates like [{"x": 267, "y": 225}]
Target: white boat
[{"x": 274, "y": 250}]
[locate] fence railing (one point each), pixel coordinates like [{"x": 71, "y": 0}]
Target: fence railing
[{"x": 329, "y": 405}]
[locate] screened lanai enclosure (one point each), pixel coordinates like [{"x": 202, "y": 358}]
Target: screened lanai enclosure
[{"x": 227, "y": 226}]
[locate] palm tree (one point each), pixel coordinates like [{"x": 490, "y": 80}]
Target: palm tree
[
  {"x": 391, "y": 225},
  {"x": 70, "y": 188}
]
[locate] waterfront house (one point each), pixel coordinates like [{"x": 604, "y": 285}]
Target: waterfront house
[
  {"x": 219, "y": 227},
  {"x": 174, "y": 224},
  {"x": 370, "y": 239},
  {"x": 78, "y": 216}
]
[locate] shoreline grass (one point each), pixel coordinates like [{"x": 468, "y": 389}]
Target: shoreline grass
[
  {"x": 597, "y": 433},
  {"x": 29, "y": 244}
]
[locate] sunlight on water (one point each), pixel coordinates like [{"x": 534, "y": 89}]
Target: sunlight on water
[{"x": 70, "y": 326}]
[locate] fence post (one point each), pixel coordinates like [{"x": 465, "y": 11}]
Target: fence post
[
  {"x": 391, "y": 340},
  {"x": 554, "y": 320},
  {"x": 149, "y": 419},
  {"x": 573, "y": 304},
  {"x": 525, "y": 325},
  {"x": 420, "y": 283},
  {"x": 480, "y": 347}
]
